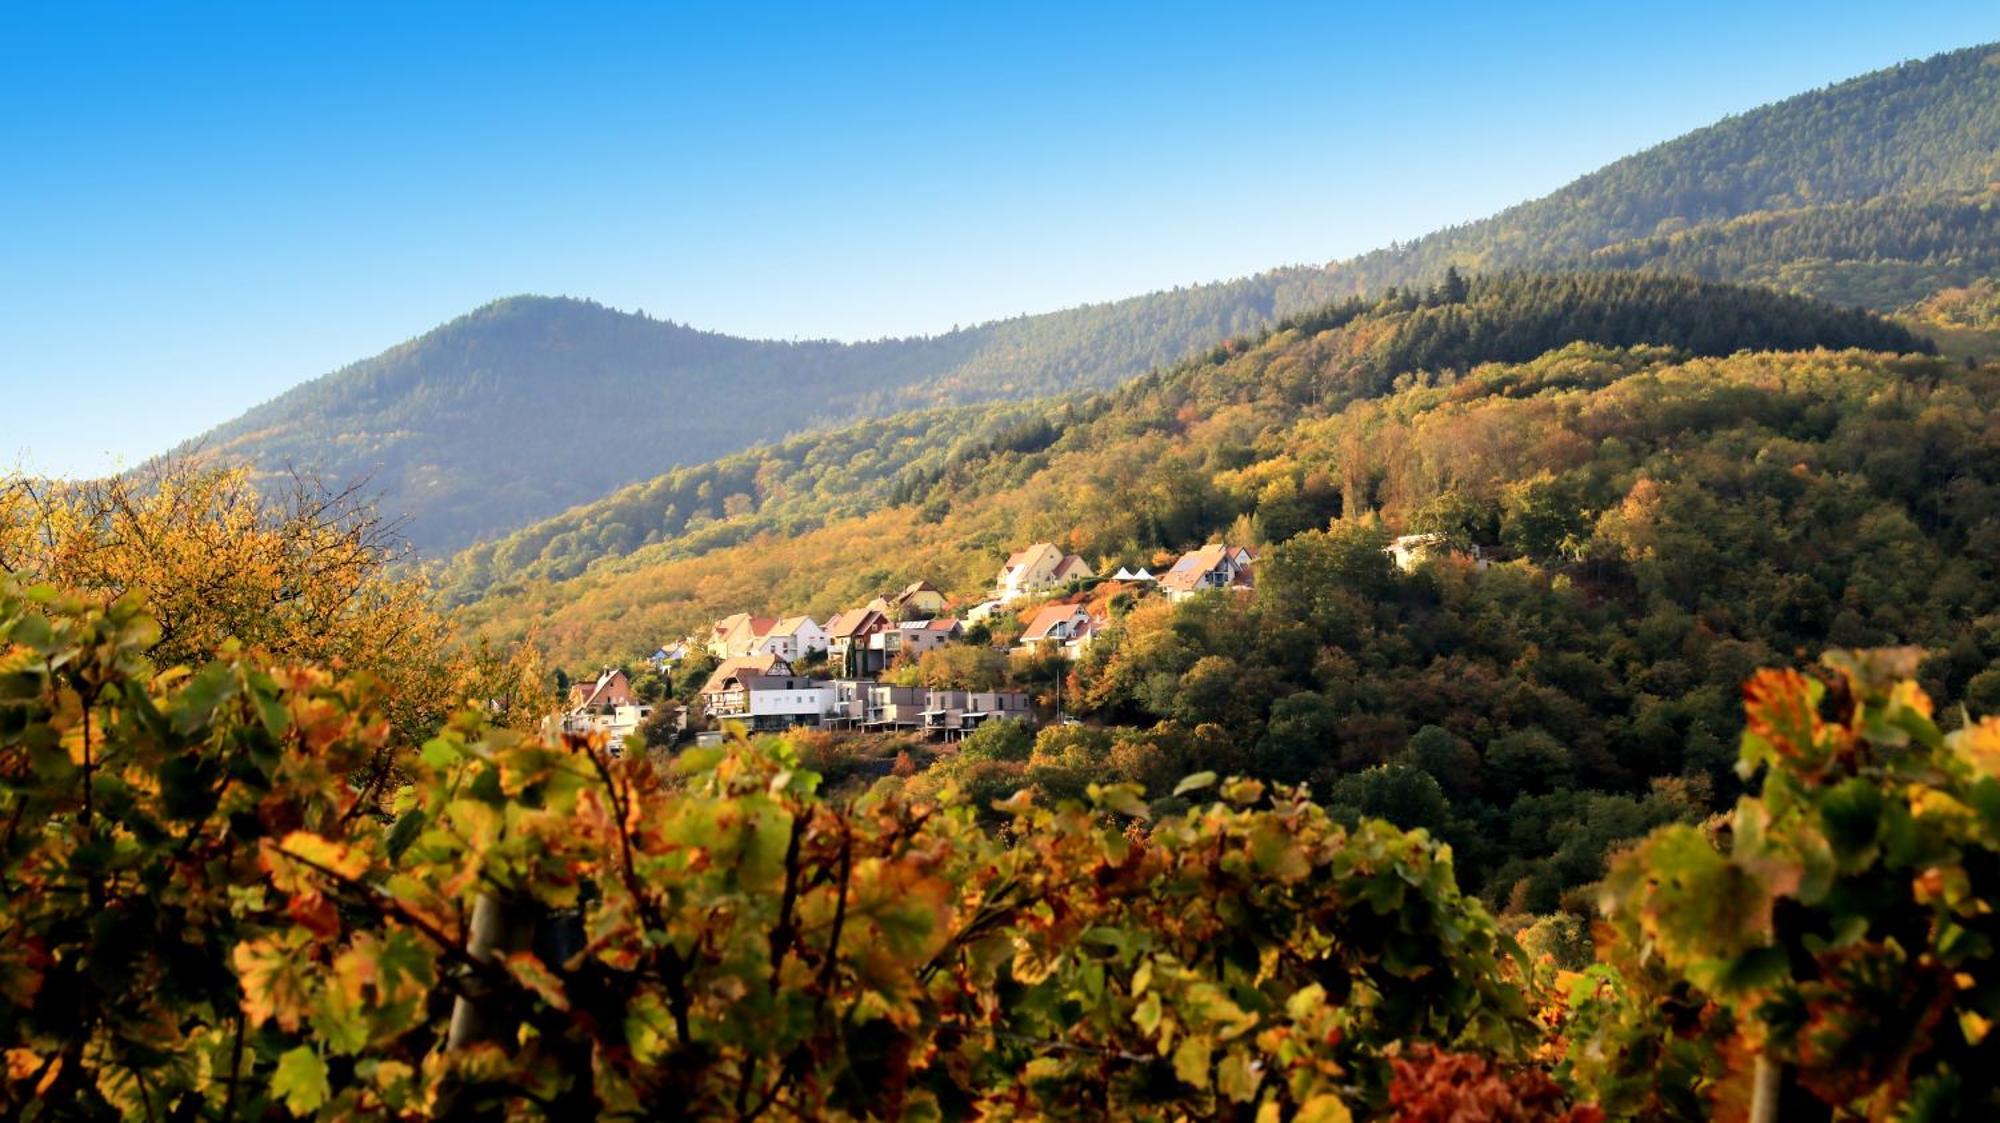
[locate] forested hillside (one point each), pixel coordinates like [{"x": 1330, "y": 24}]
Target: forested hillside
[
  {"x": 1912, "y": 130},
  {"x": 1882, "y": 253},
  {"x": 1876, "y": 191},
  {"x": 1361, "y": 348},
  {"x": 531, "y": 404},
  {"x": 1663, "y": 518}
]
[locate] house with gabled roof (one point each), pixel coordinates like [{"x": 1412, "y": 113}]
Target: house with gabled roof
[
  {"x": 767, "y": 700},
  {"x": 719, "y": 631},
  {"x": 744, "y": 635},
  {"x": 1053, "y": 626},
  {"x": 794, "y": 637},
  {"x": 763, "y": 663},
  {"x": 910, "y": 639},
  {"x": 1081, "y": 637},
  {"x": 1040, "y": 566},
  {"x": 847, "y": 650},
  {"x": 919, "y": 600},
  {"x": 609, "y": 690},
  {"x": 1214, "y": 566},
  {"x": 671, "y": 655}
]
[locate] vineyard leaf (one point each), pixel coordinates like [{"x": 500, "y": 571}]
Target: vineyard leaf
[{"x": 301, "y": 1081}]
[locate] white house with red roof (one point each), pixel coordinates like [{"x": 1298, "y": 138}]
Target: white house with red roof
[
  {"x": 1039, "y": 567},
  {"x": 739, "y": 634},
  {"x": 794, "y": 638},
  {"x": 847, "y": 635},
  {"x": 1054, "y": 625},
  {"x": 1215, "y": 566}
]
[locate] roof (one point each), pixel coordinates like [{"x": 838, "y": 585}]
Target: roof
[
  {"x": 1187, "y": 572},
  {"x": 1021, "y": 558},
  {"x": 916, "y": 587},
  {"x": 739, "y": 623},
  {"x": 790, "y": 625},
  {"x": 756, "y": 682},
  {"x": 1048, "y": 617},
  {"x": 764, "y": 664},
  {"x": 1071, "y": 566},
  {"x": 597, "y": 689},
  {"x": 941, "y": 624},
  {"x": 855, "y": 622}
]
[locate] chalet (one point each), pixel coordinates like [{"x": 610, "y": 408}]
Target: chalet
[
  {"x": 605, "y": 705},
  {"x": 912, "y": 638},
  {"x": 718, "y": 633},
  {"x": 609, "y": 690},
  {"x": 764, "y": 701},
  {"x": 671, "y": 656},
  {"x": 1053, "y": 625},
  {"x": 615, "y": 723},
  {"x": 763, "y": 663},
  {"x": 847, "y": 650},
  {"x": 795, "y": 638},
  {"x": 740, "y": 634},
  {"x": 1040, "y": 566},
  {"x": 919, "y": 600},
  {"x": 1214, "y": 566}
]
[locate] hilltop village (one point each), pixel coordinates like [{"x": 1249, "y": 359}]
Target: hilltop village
[{"x": 911, "y": 662}]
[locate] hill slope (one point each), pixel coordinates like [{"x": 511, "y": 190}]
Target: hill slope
[
  {"x": 1660, "y": 522},
  {"x": 530, "y": 404},
  {"x": 1911, "y": 130},
  {"x": 1873, "y": 191},
  {"x": 941, "y": 462}
]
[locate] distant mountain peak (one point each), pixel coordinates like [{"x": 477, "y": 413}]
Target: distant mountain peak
[{"x": 532, "y": 403}]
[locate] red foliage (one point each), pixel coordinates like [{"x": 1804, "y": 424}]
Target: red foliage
[{"x": 1429, "y": 1085}]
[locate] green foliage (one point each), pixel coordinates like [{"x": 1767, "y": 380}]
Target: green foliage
[
  {"x": 203, "y": 920},
  {"x": 1658, "y": 525},
  {"x": 1845, "y": 923},
  {"x": 1168, "y": 461},
  {"x": 205, "y": 917}
]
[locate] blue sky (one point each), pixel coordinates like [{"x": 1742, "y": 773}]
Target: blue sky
[{"x": 203, "y": 205}]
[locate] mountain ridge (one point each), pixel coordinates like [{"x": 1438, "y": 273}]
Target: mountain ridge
[
  {"x": 1344, "y": 352},
  {"x": 595, "y": 401}
]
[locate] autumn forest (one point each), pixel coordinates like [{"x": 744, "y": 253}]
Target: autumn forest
[{"x": 1595, "y": 714}]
